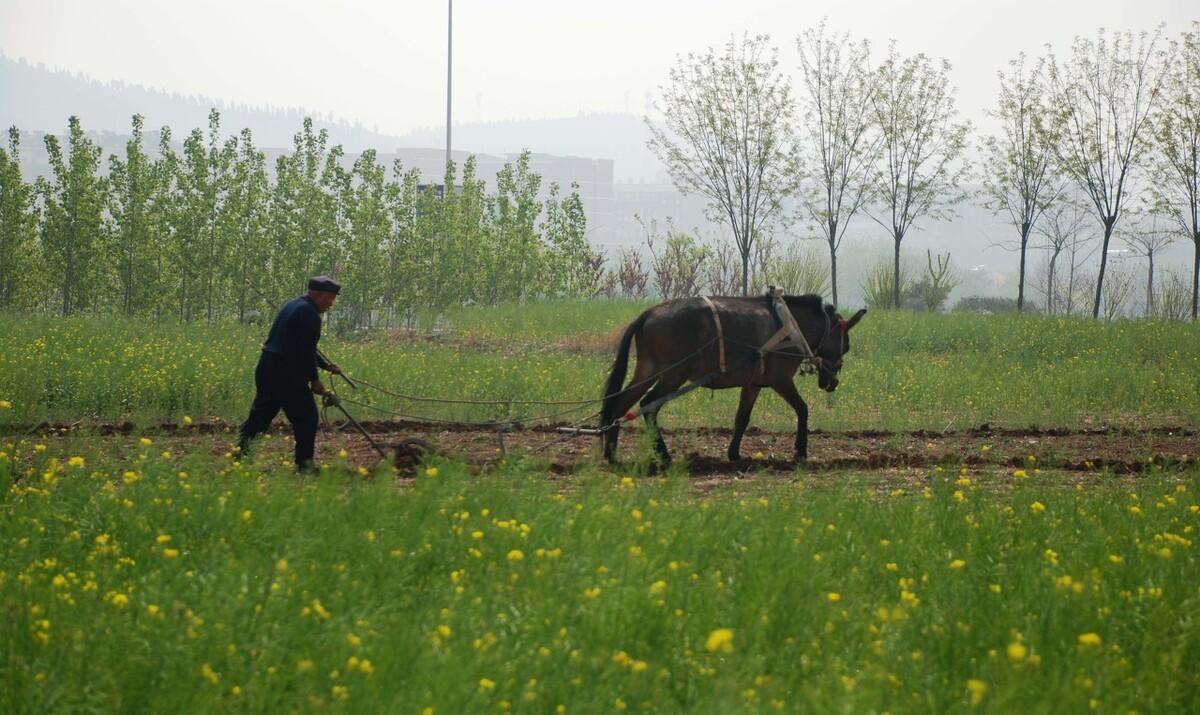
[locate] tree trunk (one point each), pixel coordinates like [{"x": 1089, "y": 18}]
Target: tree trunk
[
  {"x": 1108, "y": 229},
  {"x": 746, "y": 271},
  {"x": 1050, "y": 285},
  {"x": 896, "y": 276},
  {"x": 1150, "y": 287},
  {"x": 833, "y": 274},
  {"x": 1195, "y": 272},
  {"x": 1021, "y": 275}
]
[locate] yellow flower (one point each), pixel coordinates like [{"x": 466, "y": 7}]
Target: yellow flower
[
  {"x": 978, "y": 689},
  {"x": 75, "y": 461},
  {"x": 353, "y": 640},
  {"x": 444, "y": 631},
  {"x": 833, "y": 597},
  {"x": 145, "y": 442},
  {"x": 281, "y": 565},
  {"x": 1020, "y": 474},
  {"x": 1017, "y": 652},
  {"x": 593, "y": 592},
  {"x": 247, "y": 515},
  {"x": 119, "y": 600},
  {"x": 304, "y": 665},
  {"x": 1037, "y": 507},
  {"x": 1089, "y": 639},
  {"x": 171, "y": 553},
  {"x": 657, "y": 588},
  {"x": 432, "y": 472},
  {"x": 209, "y": 674},
  {"x": 485, "y": 684},
  {"x": 187, "y": 421},
  {"x": 720, "y": 639},
  {"x": 957, "y": 564},
  {"x": 152, "y": 609},
  {"x": 516, "y": 555},
  {"x": 5, "y": 405}
]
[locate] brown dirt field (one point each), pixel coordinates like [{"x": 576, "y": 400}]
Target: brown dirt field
[{"x": 1115, "y": 451}]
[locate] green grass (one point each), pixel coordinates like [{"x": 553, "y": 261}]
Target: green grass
[
  {"x": 190, "y": 583},
  {"x": 905, "y": 371}
]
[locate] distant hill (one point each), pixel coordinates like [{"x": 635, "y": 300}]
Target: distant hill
[{"x": 36, "y": 98}]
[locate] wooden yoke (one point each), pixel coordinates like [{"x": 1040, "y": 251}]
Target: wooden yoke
[{"x": 790, "y": 330}]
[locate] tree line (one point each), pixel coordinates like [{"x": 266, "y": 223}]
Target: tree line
[
  {"x": 206, "y": 232},
  {"x": 1110, "y": 126}
]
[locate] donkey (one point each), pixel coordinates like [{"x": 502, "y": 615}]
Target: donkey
[{"x": 722, "y": 357}]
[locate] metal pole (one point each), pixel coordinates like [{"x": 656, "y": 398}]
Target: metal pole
[{"x": 449, "y": 70}]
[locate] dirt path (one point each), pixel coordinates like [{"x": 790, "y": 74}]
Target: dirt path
[{"x": 1119, "y": 451}]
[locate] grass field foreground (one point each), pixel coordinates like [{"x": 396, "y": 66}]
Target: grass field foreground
[{"x": 192, "y": 583}]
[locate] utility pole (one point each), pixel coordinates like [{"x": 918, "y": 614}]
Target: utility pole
[{"x": 449, "y": 70}]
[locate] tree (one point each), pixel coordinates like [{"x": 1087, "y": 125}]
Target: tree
[
  {"x": 244, "y": 218},
  {"x": 73, "y": 200},
  {"x": 1104, "y": 95},
  {"x": 1146, "y": 237},
  {"x": 199, "y": 247},
  {"x": 923, "y": 161},
  {"x": 132, "y": 189},
  {"x": 1019, "y": 178},
  {"x": 368, "y": 200},
  {"x": 1175, "y": 170},
  {"x": 18, "y": 224},
  {"x": 1062, "y": 227},
  {"x": 836, "y": 142},
  {"x": 726, "y": 137}
]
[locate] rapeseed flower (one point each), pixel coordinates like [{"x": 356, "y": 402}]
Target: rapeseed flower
[
  {"x": 977, "y": 688},
  {"x": 720, "y": 639},
  {"x": 1017, "y": 652}
]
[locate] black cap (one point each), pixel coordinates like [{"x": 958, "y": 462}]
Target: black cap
[{"x": 324, "y": 283}]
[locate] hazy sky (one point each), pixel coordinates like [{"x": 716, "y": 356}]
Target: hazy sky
[{"x": 384, "y": 63}]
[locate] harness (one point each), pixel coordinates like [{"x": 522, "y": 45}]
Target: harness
[{"x": 789, "y": 335}]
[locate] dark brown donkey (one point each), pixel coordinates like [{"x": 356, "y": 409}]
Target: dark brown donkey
[{"x": 669, "y": 332}]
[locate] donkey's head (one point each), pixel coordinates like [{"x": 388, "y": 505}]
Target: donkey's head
[{"x": 834, "y": 346}]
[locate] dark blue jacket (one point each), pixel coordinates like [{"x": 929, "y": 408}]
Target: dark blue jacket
[{"x": 293, "y": 339}]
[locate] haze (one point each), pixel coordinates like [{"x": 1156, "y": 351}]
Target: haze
[{"x": 384, "y": 64}]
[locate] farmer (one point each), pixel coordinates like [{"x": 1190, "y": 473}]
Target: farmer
[{"x": 286, "y": 376}]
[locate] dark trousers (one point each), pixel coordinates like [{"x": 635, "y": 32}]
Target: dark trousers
[{"x": 278, "y": 387}]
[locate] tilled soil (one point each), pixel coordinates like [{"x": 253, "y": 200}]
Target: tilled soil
[{"x": 1112, "y": 450}]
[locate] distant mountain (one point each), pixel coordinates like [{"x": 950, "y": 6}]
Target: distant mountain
[{"x": 36, "y": 98}]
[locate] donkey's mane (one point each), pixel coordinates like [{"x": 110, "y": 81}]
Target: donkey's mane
[{"x": 810, "y": 301}]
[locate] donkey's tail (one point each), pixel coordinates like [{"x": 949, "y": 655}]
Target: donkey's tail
[{"x": 616, "y": 378}]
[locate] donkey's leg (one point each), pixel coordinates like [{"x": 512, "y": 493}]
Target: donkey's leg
[
  {"x": 662, "y": 388},
  {"x": 787, "y": 390},
  {"x": 745, "y": 406},
  {"x": 640, "y": 384}
]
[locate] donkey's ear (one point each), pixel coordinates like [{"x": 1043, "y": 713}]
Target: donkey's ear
[{"x": 855, "y": 318}]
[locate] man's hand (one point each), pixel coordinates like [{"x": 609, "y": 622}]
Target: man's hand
[
  {"x": 319, "y": 388},
  {"x": 333, "y": 368}
]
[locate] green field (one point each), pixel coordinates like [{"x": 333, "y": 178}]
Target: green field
[
  {"x": 154, "y": 572},
  {"x": 190, "y": 584},
  {"x": 905, "y": 371}
]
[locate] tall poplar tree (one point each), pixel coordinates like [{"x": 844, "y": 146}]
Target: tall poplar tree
[
  {"x": 73, "y": 198},
  {"x": 18, "y": 226}
]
